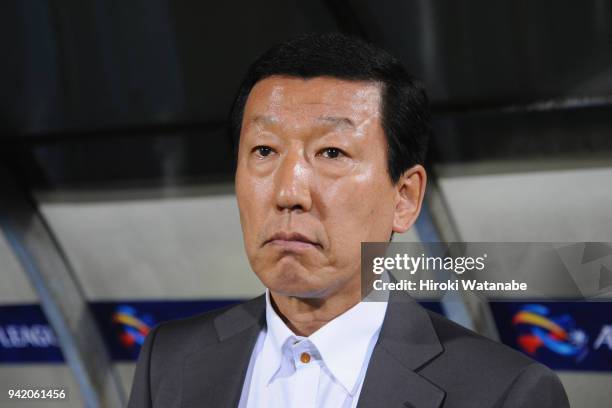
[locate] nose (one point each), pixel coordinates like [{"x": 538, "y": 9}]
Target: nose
[{"x": 293, "y": 183}]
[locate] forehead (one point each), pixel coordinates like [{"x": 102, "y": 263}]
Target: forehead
[{"x": 280, "y": 98}]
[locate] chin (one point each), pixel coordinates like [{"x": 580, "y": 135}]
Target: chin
[{"x": 296, "y": 282}]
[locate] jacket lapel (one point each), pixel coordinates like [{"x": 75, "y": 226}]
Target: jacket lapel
[
  {"x": 407, "y": 342},
  {"x": 214, "y": 376}
]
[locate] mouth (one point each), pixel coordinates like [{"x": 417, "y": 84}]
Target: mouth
[{"x": 292, "y": 241}]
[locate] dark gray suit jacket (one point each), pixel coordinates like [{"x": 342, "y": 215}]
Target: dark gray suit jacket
[{"x": 421, "y": 360}]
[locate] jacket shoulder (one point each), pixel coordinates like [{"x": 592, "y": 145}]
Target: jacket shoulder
[
  {"x": 476, "y": 369},
  {"x": 181, "y": 337},
  {"x": 185, "y": 333},
  {"x": 159, "y": 371},
  {"x": 475, "y": 347}
]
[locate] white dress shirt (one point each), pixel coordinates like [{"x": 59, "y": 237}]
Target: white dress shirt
[{"x": 325, "y": 369}]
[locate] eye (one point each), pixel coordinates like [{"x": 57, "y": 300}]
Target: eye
[
  {"x": 263, "y": 151},
  {"x": 332, "y": 153}
]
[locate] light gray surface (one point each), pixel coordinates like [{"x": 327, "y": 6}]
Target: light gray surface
[
  {"x": 587, "y": 390},
  {"x": 549, "y": 206},
  {"x": 179, "y": 247},
  {"x": 14, "y": 284},
  {"x": 126, "y": 373}
]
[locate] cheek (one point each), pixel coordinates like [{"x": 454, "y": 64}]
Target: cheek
[
  {"x": 253, "y": 195},
  {"x": 244, "y": 196},
  {"x": 359, "y": 210}
]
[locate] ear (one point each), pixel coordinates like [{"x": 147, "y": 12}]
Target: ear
[{"x": 409, "y": 193}]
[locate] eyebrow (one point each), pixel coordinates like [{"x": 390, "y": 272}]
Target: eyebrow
[
  {"x": 337, "y": 121},
  {"x": 265, "y": 119}
]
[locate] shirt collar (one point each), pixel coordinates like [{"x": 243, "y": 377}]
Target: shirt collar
[
  {"x": 343, "y": 343},
  {"x": 277, "y": 334}
]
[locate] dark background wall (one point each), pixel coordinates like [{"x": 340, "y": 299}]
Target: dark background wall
[{"x": 149, "y": 83}]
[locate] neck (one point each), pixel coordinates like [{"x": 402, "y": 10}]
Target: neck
[{"x": 304, "y": 316}]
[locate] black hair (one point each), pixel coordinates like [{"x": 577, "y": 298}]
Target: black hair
[{"x": 405, "y": 108}]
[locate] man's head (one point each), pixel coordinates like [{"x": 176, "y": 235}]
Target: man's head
[{"x": 330, "y": 134}]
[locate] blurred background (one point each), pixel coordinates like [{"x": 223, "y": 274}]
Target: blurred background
[{"x": 117, "y": 208}]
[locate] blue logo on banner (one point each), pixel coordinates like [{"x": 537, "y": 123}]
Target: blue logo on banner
[
  {"x": 561, "y": 335},
  {"x": 125, "y": 325},
  {"x": 134, "y": 328}
]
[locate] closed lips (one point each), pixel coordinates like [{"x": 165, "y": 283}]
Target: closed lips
[{"x": 293, "y": 236}]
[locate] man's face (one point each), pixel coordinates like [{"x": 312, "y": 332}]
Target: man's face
[{"x": 312, "y": 182}]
